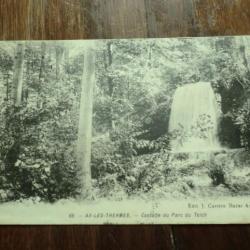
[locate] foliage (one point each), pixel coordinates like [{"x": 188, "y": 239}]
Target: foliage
[
  {"x": 38, "y": 137},
  {"x": 217, "y": 174},
  {"x": 243, "y": 120}
]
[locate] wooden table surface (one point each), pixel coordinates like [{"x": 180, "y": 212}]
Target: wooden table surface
[{"x": 85, "y": 19}]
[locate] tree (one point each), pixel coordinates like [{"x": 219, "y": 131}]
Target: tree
[
  {"x": 59, "y": 58},
  {"x": 108, "y": 63},
  {"x": 85, "y": 121},
  {"x": 18, "y": 75},
  {"x": 17, "y": 88},
  {"x": 42, "y": 61}
]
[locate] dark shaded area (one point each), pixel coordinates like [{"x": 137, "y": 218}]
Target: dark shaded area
[
  {"x": 158, "y": 123},
  {"x": 230, "y": 133},
  {"x": 231, "y": 100}
]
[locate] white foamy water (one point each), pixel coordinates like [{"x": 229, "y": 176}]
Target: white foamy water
[{"x": 194, "y": 119}]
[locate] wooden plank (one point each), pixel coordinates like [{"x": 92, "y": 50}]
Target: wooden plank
[
  {"x": 64, "y": 19},
  {"x": 134, "y": 237},
  {"x": 224, "y": 17},
  {"x": 116, "y": 18},
  {"x": 25, "y": 237},
  {"x": 73, "y": 237},
  {"x": 12, "y": 19},
  {"x": 197, "y": 18},
  {"x": 212, "y": 237},
  {"x": 41, "y": 19},
  {"x": 48, "y": 237},
  {"x": 171, "y": 18},
  {"x": 85, "y": 237}
]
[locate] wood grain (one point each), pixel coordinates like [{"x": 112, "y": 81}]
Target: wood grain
[
  {"x": 89, "y": 19},
  {"x": 85, "y": 237},
  {"x": 84, "y": 19},
  {"x": 212, "y": 237},
  {"x": 115, "y": 19},
  {"x": 42, "y": 19}
]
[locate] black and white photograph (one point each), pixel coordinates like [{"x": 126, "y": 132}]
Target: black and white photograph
[{"x": 127, "y": 124}]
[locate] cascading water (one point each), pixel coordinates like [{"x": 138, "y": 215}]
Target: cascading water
[{"x": 194, "y": 119}]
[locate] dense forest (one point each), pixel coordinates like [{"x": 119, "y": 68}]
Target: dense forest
[{"x": 91, "y": 119}]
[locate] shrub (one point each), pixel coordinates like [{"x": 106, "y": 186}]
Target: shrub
[
  {"x": 110, "y": 187},
  {"x": 147, "y": 171},
  {"x": 243, "y": 120},
  {"x": 217, "y": 174},
  {"x": 220, "y": 168}
]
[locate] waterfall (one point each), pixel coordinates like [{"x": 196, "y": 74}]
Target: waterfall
[{"x": 194, "y": 117}]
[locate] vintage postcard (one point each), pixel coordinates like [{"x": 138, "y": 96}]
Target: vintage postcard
[{"x": 153, "y": 131}]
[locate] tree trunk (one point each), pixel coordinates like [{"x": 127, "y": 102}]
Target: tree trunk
[
  {"x": 59, "y": 57},
  {"x": 41, "y": 73},
  {"x": 42, "y": 64},
  {"x": 17, "y": 88},
  {"x": 7, "y": 87},
  {"x": 110, "y": 85},
  {"x": 85, "y": 121},
  {"x": 18, "y": 76},
  {"x": 242, "y": 48},
  {"x": 149, "y": 56}
]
